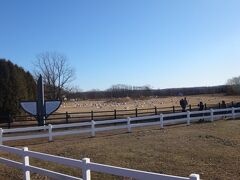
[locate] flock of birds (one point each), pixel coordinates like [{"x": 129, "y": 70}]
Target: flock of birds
[
  {"x": 127, "y": 104},
  {"x": 111, "y": 105}
]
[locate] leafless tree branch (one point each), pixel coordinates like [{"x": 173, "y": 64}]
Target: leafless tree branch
[{"x": 56, "y": 71}]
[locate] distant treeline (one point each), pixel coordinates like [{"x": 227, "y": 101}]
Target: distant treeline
[
  {"x": 15, "y": 84},
  {"x": 121, "y": 91}
]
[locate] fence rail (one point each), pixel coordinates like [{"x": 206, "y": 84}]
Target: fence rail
[
  {"x": 96, "y": 126},
  {"x": 76, "y": 117},
  {"x": 85, "y": 165},
  {"x": 92, "y": 127}
]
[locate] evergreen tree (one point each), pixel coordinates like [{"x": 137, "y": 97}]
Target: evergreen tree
[{"x": 15, "y": 85}]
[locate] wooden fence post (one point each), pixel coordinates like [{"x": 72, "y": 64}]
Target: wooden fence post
[
  {"x": 194, "y": 177},
  {"x": 67, "y": 116},
  {"x": 50, "y": 138},
  {"x": 211, "y": 110},
  {"x": 26, "y": 173},
  {"x": 93, "y": 129},
  {"x": 232, "y": 104},
  {"x": 1, "y": 136},
  {"x": 86, "y": 173},
  {"x": 9, "y": 121},
  {"x": 136, "y": 110},
  {"x": 173, "y": 109},
  {"x": 161, "y": 120},
  {"x": 129, "y": 124},
  {"x": 190, "y": 107},
  {"x": 233, "y": 113},
  {"x": 219, "y": 105},
  {"x": 91, "y": 115},
  {"x": 115, "y": 114},
  {"x": 188, "y": 118},
  {"x": 205, "y": 106},
  {"x": 155, "y": 110}
]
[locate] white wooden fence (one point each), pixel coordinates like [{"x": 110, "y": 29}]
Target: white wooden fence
[
  {"x": 85, "y": 165},
  {"x": 92, "y": 127}
]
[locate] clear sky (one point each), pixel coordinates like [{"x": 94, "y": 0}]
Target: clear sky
[{"x": 162, "y": 43}]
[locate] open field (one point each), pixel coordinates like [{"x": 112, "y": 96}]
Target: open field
[
  {"x": 81, "y": 111},
  {"x": 209, "y": 149},
  {"x": 127, "y": 103}
]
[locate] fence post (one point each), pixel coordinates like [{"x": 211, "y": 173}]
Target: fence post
[
  {"x": 194, "y": 177},
  {"x": 129, "y": 124},
  {"x": 136, "y": 110},
  {"x": 232, "y": 104},
  {"x": 161, "y": 120},
  {"x": 9, "y": 121},
  {"x": 86, "y": 173},
  {"x": 188, "y": 118},
  {"x": 26, "y": 173},
  {"x": 233, "y": 112},
  {"x": 67, "y": 116},
  {"x": 219, "y": 105},
  {"x": 205, "y": 106},
  {"x": 173, "y": 109},
  {"x": 93, "y": 128},
  {"x": 190, "y": 107},
  {"x": 155, "y": 110},
  {"x": 91, "y": 115},
  {"x": 211, "y": 110},
  {"x": 50, "y": 138},
  {"x": 1, "y": 136},
  {"x": 115, "y": 114}
]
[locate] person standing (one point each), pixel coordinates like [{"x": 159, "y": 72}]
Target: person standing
[
  {"x": 183, "y": 104},
  {"x": 201, "y": 106},
  {"x": 223, "y": 105}
]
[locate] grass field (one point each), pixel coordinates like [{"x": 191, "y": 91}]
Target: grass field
[
  {"x": 127, "y": 103},
  {"x": 209, "y": 149},
  {"x": 86, "y": 110}
]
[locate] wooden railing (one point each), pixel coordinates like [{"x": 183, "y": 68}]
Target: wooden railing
[{"x": 65, "y": 118}]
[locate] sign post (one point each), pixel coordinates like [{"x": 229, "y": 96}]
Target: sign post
[{"x": 40, "y": 108}]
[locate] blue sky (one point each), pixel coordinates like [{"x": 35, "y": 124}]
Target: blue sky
[{"x": 165, "y": 44}]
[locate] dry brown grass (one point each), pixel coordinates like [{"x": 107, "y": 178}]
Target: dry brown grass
[
  {"x": 210, "y": 149},
  {"x": 128, "y": 103}
]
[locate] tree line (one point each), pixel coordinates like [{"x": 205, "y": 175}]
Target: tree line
[
  {"x": 121, "y": 91},
  {"x": 234, "y": 86},
  {"x": 16, "y": 84}
]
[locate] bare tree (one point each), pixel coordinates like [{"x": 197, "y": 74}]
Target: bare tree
[
  {"x": 234, "y": 81},
  {"x": 56, "y": 72},
  {"x": 234, "y": 85}
]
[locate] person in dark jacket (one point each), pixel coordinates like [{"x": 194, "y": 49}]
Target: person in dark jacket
[
  {"x": 183, "y": 104},
  {"x": 223, "y": 105},
  {"x": 201, "y": 106}
]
